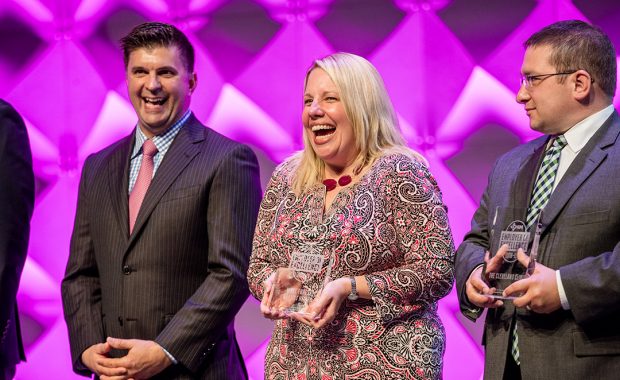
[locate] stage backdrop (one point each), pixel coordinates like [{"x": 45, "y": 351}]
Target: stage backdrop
[{"x": 451, "y": 68}]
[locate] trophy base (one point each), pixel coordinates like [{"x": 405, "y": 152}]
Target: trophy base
[
  {"x": 501, "y": 297},
  {"x": 300, "y": 314}
]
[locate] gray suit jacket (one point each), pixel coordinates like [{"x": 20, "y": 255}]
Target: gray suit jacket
[
  {"x": 179, "y": 279},
  {"x": 580, "y": 237},
  {"x": 16, "y": 204}
]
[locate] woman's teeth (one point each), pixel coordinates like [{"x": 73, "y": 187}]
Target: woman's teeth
[{"x": 323, "y": 130}]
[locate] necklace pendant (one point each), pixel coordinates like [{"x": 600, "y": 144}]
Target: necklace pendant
[
  {"x": 344, "y": 180},
  {"x": 331, "y": 184}
]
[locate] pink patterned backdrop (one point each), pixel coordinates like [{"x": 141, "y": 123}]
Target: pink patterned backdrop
[{"x": 451, "y": 68}]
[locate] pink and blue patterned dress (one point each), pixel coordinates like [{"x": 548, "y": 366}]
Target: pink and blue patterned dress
[{"x": 392, "y": 227}]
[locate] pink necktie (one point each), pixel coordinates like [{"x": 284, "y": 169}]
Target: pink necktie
[{"x": 145, "y": 175}]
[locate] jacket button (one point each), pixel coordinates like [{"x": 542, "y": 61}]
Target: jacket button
[{"x": 127, "y": 270}]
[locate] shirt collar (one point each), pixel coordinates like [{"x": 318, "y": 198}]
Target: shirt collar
[
  {"x": 578, "y": 136},
  {"x": 162, "y": 140}
]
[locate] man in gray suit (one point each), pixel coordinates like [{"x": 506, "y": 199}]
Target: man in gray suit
[
  {"x": 563, "y": 322},
  {"x": 16, "y": 204},
  {"x": 163, "y": 232}
]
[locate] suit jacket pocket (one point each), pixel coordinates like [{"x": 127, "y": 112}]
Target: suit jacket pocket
[
  {"x": 595, "y": 346},
  {"x": 587, "y": 218},
  {"x": 180, "y": 193},
  {"x": 104, "y": 325}
]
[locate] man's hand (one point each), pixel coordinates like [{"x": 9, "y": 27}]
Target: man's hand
[
  {"x": 93, "y": 357},
  {"x": 539, "y": 291},
  {"x": 145, "y": 359},
  {"x": 476, "y": 289}
]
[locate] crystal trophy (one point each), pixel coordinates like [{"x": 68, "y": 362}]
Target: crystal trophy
[
  {"x": 294, "y": 287},
  {"x": 512, "y": 232}
]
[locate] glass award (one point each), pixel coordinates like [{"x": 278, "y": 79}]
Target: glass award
[
  {"x": 294, "y": 287},
  {"x": 507, "y": 229}
]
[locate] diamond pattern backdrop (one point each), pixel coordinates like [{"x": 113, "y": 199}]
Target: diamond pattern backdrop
[{"x": 451, "y": 68}]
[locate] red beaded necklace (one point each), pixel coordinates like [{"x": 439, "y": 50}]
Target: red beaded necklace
[{"x": 331, "y": 184}]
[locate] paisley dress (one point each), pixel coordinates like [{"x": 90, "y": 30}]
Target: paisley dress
[{"x": 391, "y": 227}]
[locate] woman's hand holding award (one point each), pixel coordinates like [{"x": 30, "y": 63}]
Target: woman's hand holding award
[{"x": 294, "y": 287}]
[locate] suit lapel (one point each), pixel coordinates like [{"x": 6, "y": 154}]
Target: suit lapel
[
  {"x": 118, "y": 175},
  {"x": 586, "y": 162},
  {"x": 526, "y": 177},
  {"x": 183, "y": 149}
]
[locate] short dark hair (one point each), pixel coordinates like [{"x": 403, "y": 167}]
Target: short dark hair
[
  {"x": 578, "y": 45},
  {"x": 155, "y": 34}
]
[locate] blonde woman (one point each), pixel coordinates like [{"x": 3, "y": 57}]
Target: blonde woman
[{"x": 367, "y": 203}]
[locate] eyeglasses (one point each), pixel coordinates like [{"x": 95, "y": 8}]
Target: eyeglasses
[{"x": 529, "y": 80}]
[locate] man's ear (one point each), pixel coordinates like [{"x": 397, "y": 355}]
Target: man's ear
[
  {"x": 193, "y": 82},
  {"x": 583, "y": 84}
]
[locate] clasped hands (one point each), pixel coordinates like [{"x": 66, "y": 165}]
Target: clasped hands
[
  {"x": 144, "y": 359},
  {"x": 319, "y": 312},
  {"x": 538, "y": 292}
]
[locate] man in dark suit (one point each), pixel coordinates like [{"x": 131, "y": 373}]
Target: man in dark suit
[
  {"x": 163, "y": 232},
  {"x": 16, "y": 204},
  {"x": 563, "y": 322}
]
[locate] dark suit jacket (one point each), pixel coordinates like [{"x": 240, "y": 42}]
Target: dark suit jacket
[
  {"x": 16, "y": 204},
  {"x": 580, "y": 237},
  {"x": 179, "y": 279}
]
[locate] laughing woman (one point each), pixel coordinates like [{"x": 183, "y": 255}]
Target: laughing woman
[{"x": 359, "y": 196}]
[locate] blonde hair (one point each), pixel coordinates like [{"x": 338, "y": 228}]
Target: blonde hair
[{"x": 370, "y": 111}]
